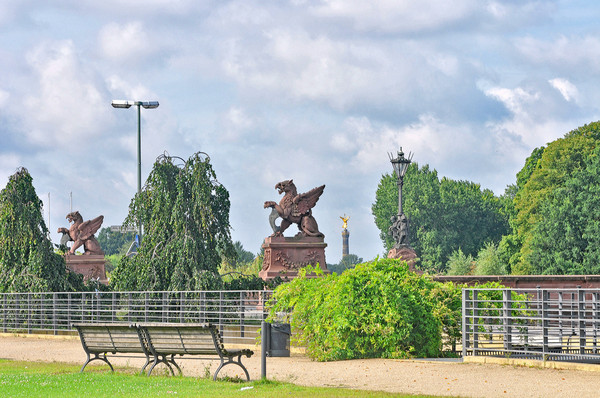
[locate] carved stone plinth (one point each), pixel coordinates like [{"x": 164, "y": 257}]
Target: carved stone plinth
[
  {"x": 284, "y": 256},
  {"x": 91, "y": 266},
  {"x": 406, "y": 253}
]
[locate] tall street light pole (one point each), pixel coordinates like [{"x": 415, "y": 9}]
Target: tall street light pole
[{"x": 146, "y": 105}]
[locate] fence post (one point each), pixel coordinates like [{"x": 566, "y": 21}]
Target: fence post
[
  {"x": 242, "y": 315},
  {"x": 54, "y": 303},
  {"x": 4, "y": 313},
  {"x": 506, "y": 314},
  {"x": 475, "y": 310},
  {"x": 465, "y": 322},
  {"x": 581, "y": 318},
  {"x": 595, "y": 322},
  {"x": 129, "y": 307},
  {"x": 181, "y": 307},
  {"x": 545, "y": 323},
  {"x": 202, "y": 314},
  {"x": 29, "y": 313},
  {"x": 165, "y": 316},
  {"x": 221, "y": 312},
  {"x": 560, "y": 317}
]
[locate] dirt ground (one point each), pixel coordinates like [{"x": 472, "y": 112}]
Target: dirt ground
[{"x": 400, "y": 376}]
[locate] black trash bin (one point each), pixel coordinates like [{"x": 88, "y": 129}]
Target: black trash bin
[{"x": 279, "y": 342}]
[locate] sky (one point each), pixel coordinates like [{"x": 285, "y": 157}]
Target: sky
[{"x": 315, "y": 91}]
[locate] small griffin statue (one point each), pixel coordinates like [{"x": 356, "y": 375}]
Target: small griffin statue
[
  {"x": 294, "y": 208},
  {"x": 82, "y": 233}
]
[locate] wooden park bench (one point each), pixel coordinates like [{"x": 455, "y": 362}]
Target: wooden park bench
[
  {"x": 161, "y": 341},
  {"x": 98, "y": 339},
  {"x": 166, "y": 340}
]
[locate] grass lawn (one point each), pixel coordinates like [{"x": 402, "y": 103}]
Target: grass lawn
[{"x": 41, "y": 379}]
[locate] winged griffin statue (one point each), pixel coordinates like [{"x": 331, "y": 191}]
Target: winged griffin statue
[
  {"x": 296, "y": 209},
  {"x": 82, "y": 234}
]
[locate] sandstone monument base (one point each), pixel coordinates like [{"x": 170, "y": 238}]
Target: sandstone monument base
[
  {"x": 406, "y": 253},
  {"x": 284, "y": 256},
  {"x": 91, "y": 266}
]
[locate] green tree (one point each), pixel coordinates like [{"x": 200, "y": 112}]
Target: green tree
[
  {"x": 443, "y": 215},
  {"x": 459, "y": 263},
  {"x": 242, "y": 256},
  {"x": 538, "y": 206},
  {"x": 27, "y": 259},
  {"x": 566, "y": 240},
  {"x": 185, "y": 214},
  {"x": 489, "y": 262},
  {"x": 347, "y": 262},
  {"x": 113, "y": 242}
]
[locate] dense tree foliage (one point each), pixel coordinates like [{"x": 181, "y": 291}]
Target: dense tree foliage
[
  {"x": 242, "y": 256},
  {"x": 489, "y": 262},
  {"x": 27, "y": 259},
  {"x": 113, "y": 242},
  {"x": 347, "y": 262},
  {"x": 185, "y": 216},
  {"x": 460, "y": 263},
  {"x": 444, "y": 215},
  {"x": 555, "y": 224}
]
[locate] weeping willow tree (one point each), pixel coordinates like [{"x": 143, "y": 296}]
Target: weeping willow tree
[
  {"x": 184, "y": 211},
  {"x": 27, "y": 260}
]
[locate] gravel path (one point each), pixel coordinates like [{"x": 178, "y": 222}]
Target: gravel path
[{"x": 405, "y": 376}]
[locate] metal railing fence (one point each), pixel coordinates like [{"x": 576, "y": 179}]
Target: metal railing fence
[
  {"x": 546, "y": 324},
  {"x": 238, "y": 314}
]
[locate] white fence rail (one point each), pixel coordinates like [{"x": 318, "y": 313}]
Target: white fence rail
[
  {"x": 546, "y": 324},
  {"x": 237, "y": 313}
]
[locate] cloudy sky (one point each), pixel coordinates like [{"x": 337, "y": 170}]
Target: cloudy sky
[{"x": 317, "y": 91}]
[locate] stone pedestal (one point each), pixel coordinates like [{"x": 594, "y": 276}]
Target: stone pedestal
[
  {"x": 91, "y": 266},
  {"x": 284, "y": 256},
  {"x": 406, "y": 253}
]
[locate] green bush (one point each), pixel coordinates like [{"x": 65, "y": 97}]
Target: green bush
[{"x": 377, "y": 310}]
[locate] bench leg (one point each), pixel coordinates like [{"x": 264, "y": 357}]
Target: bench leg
[
  {"x": 164, "y": 360},
  {"x": 145, "y": 365},
  {"x": 231, "y": 361},
  {"x": 96, "y": 356},
  {"x": 172, "y": 360}
]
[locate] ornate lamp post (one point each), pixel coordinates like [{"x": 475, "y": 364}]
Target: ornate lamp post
[
  {"x": 399, "y": 228},
  {"x": 146, "y": 105}
]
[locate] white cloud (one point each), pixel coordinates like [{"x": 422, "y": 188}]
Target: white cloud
[
  {"x": 563, "y": 53},
  {"x": 235, "y": 124},
  {"x": 566, "y": 88},
  {"x": 129, "y": 42},
  {"x": 397, "y": 16},
  {"x": 9, "y": 163},
  {"x": 524, "y": 120},
  {"x": 65, "y": 104},
  {"x": 4, "y": 96},
  {"x": 516, "y": 100}
]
